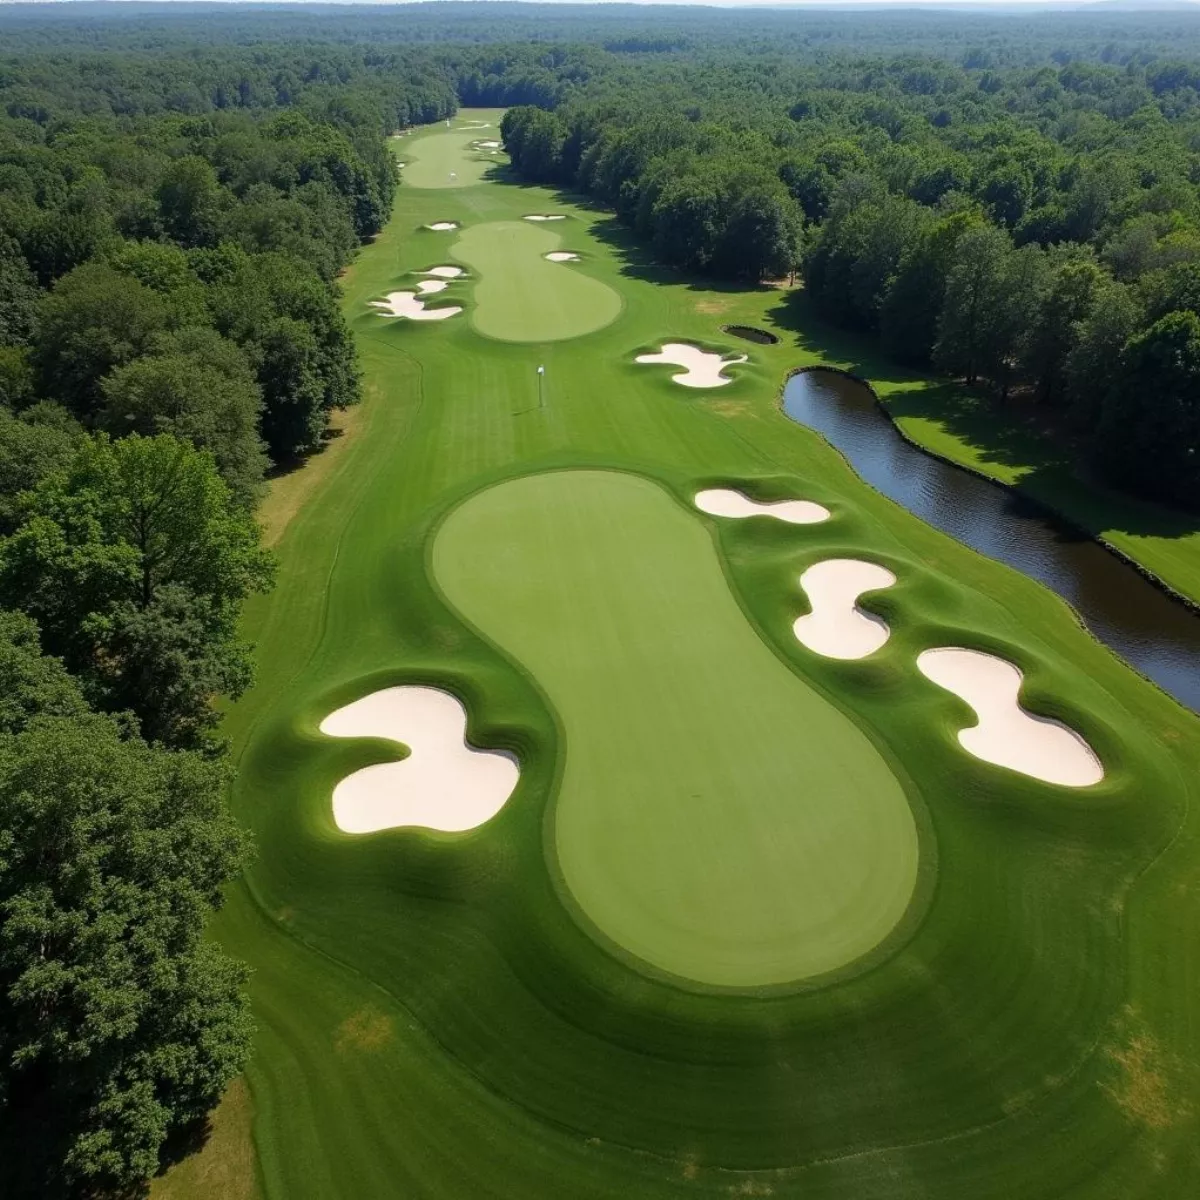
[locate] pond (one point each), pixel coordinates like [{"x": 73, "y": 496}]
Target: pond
[
  {"x": 750, "y": 334},
  {"x": 1157, "y": 635}
]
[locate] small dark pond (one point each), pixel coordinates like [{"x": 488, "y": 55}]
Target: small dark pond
[
  {"x": 1158, "y": 635},
  {"x": 747, "y": 332}
]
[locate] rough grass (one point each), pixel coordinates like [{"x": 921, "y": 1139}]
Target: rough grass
[
  {"x": 224, "y": 1164},
  {"x": 984, "y": 1057}
]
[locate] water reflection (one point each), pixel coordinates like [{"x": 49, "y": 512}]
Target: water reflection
[{"x": 1159, "y": 636}]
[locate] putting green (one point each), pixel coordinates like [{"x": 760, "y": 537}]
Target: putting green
[
  {"x": 519, "y": 296},
  {"x": 718, "y": 818},
  {"x": 444, "y": 160}
]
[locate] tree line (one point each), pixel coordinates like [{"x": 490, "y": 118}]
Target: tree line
[
  {"x": 169, "y": 332},
  {"x": 1032, "y": 232}
]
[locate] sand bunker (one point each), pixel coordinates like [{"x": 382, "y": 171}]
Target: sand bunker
[
  {"x": 442, "y": 226},
  {"x": 837, "y": 627},
  {"x": 488, "y": 145},
  {"x": 725, "y": 502},
  {"x": 1007, "y": 735},
  {"x": 406, "y": 304},
  {"x": 428, "y": 286},
  {"x": 545, "y": 217},
  {"x": 443, "y": 784},
  {"x": 561, "y": 256},
  {"x": 701, "y": 369},
  {"x": 443, "y": 272}
]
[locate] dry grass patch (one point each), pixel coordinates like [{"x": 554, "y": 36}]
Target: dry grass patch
[
  {"x": 224, "y": 1166},
  {"x": 1140, "y": 1090},
  {"x": 366, "y": 1030}
]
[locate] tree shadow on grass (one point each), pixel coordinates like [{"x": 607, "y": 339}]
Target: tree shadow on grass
[
  {"x": 636, "y": 260},
  {"x": 184, "y": 1142},
  {"x": 289, "y": 466}
]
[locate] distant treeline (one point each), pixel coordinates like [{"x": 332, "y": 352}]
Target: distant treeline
[
  {"x": 978, "y": 38},
  {"x": 1033, "y": 230}
]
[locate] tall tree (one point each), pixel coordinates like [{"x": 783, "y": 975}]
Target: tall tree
[
  {"x": 133, "y": 534},
  {"x": 1094, "y": 365},
  {"x": 95, "y": 319},
  {"x": 1149, "y": 432},
  {"x": 968, "y": 324},
  {"x": 1055, "y": 328},
  {"x": 119, "y": 1023},
  {"x": 913, "y": 303},
  {"x": 200, "y": 387}
]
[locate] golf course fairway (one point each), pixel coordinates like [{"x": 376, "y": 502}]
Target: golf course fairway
[
  {"x": 753, "y": 921},
  {"x": 717, "y": 844},
  {"x": 446, "y": 158},
  {"x": 520, "y": 296}
]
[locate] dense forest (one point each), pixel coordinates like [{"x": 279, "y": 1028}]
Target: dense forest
[
  {"x": 1012, "y": 203},
  {"x": 169, "y": 334}
]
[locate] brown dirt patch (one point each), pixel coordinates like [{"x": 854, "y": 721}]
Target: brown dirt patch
[
  {"x": 368, "y": 1029},
  {"x": 225, "y": 1165},
  {"x": 712, "y": 308},
  {"x": 730, "y": 408}
]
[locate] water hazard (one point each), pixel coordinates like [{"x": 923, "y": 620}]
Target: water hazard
[{"x": 1157, "y": 635}]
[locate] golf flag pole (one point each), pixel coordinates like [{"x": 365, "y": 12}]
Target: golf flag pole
[{"x": 541, "y": 374}]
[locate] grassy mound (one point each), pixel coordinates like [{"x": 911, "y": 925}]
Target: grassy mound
[{"x": 434, "y": 1020}]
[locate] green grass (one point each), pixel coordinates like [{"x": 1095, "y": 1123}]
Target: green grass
[
  {"x": 445, "y": 158},
  {"x": 717, "y": 844},
  {"x": 433, "y": 1020},
  {"x": 519, "y": 296}
]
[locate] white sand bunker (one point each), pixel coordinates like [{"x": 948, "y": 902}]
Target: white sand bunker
[
  {"x": 545, "y": 217},
  {"x": 701, "y": 369},
  {"x": 442, "y": 226},
  {"x": 428, "y": 286},
  {"x": 400, "y": 164},
  {"x": 406, "y": 304},
  {"x": 488, "y": 145},
  {"x": 1007, "y": 735},
  {"x": 443, "y": 784},
  {"x": 837, "y": 627},
  {"x": 725, "y": 502},
  {"x": 443, "y": 272},
  {"x": 561, "y": 256}
]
